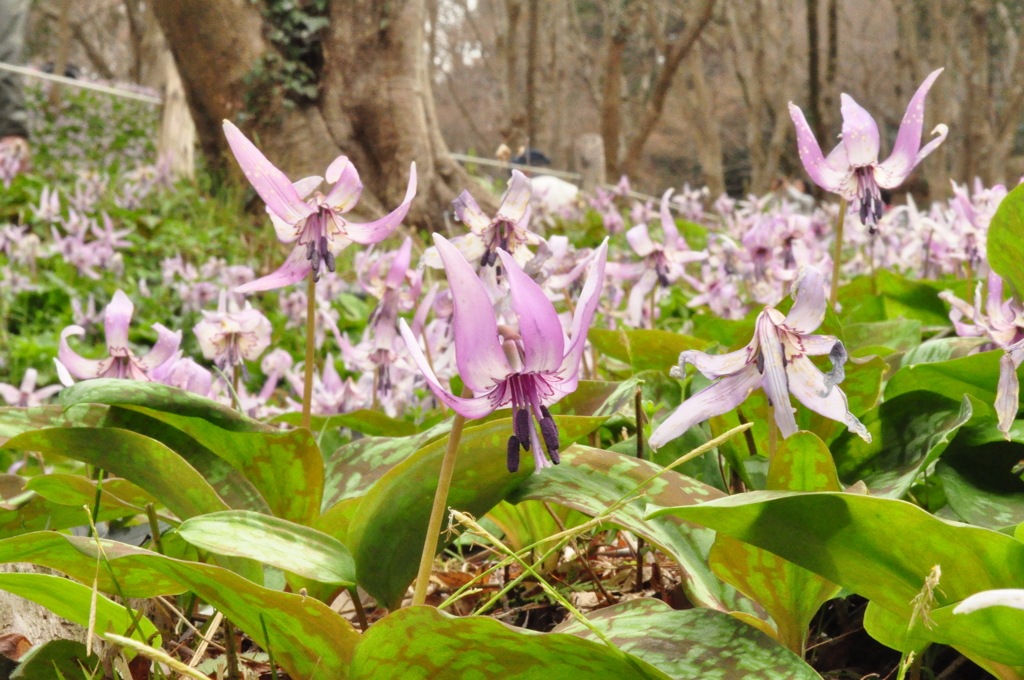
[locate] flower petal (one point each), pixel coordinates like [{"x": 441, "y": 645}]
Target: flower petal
[
  {"x": 713, "y": 366},
  {"x": 826, "y": 176},
  {"x": 293, "y": 270},
  {"x": 907, "y": 152},
  {"x": 11, "y": 394},
  {"x": 668, "y": 225},
  {"x": 860, "y": 133},
  {"x": 469, "y": 213},
  {"x": 62, "y": 373},
  {"x": 478, "y": 351},
  {"x": 347, "y": 188},
  {"x": 809, "y": 303},
  {"x": 304, "y": 187},
  {"x": 517, "y": 199},
  {"x": 585, "y": 308},
  {"x": 270, "y": 183},
  {"x": 286, "y": 233},
  {"x": 640, "y": 240},
  {"x": 638, "y": 297},
  {"x": 774, "y": 380},
  {"x": 116, "y": 319},
  {"x": 399, "y": 264},
  {"x": 714, "y": 400},
  {"x": 166, "y": 345},
  {"x": 78, "y": 366},
  {"x": 1002, "y": 597},
  {"x": 543, "y": 340},
  {"x": 475, "y": 407},
  {"x": 377, "y": 231},
  {"x": 807, "y": 384},
  {"x": 1008, "y": 390}
]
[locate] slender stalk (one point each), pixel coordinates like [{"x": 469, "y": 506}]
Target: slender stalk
[
  {"x": 234, "y": 388},
  {"x": 307, "y": 387},
  {"x": 96, "y": 501},
  {"x": 230, "y": 652},
  {"x": 837, "y": 256},
  {"x": 154, "y": 528},
  {"x": 444, "y": 482},
  {"x": 357, "y": 604},
  {"x": 638, "y": 405}
]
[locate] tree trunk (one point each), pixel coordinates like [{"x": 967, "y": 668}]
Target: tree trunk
[
  {"x": 611, "y": 100},
  {"x": 375, "y": 102},
  {"x": 709, "y": 137},
  {"x": 532, "y": 53},
  {"x": 813, "y": 77},
  {"x": 976, "y": 121}
]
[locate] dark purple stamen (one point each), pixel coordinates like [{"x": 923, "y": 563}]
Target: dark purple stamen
[
  {"x": 549, "y": 431},
  {"x": 521, "y": 427},
  {"x": 513, "y": 454}
]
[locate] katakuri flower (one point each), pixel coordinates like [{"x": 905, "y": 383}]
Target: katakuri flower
[
  {"x": 776, "y": 360},
  {"x": 528, "y": 368},
  {"x": 315, "y": 224},
  {"x": 852, "y": 169},
  {"x": 507, "y": 230},
  {"x": 231, "y": 336},
  {"x": 27, "y": 395},
  {"x": 122, "y": 362}
]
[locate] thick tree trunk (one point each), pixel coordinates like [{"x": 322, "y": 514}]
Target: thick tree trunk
[
  {"x": 611, "y": 100},
  {"x": 709, "y": 136},
  {"x": 813, "y": 77},
  {"x": 375, "y": 103}
]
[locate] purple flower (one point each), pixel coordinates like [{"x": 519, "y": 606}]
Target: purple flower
[
  {"x": 776, "y": 360},
  {"x": 529, "y": 368},
  {"x": 507, "y": 230},
  {"x": 315, "y": 224},
  {"x": 27, "y": 395},
  {"x": 184, "y": 374},
  {"x": 122, "y": 362},
  {"x": 231, "y": 336},
  {"x": 852, "y": 169}
]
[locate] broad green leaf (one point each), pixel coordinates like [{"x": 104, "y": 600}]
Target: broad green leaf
[
  {"x": 39, "y": 513},
  {"x": 790, "y": 594},
  {"x": 725, "y": 332},
  {"x": 422, "y": 643},
  {"x": 942, "y": 349},
  {"x": 899, "y": 335},
  {"x": 644, "y": 349},
  {"x": 72, "y": 601},
  {"x": 591, "y": 480},
  {"x": 1006, "y": 240},
  {"x": 308, "y": 639},
  {"x": 596, "y": 398},
  {"x": 76, "y": 491},
  {"x": 977, "y": 478},
  {"x": 976, "y": 375},
  {"x": 67, "y": 657},
  {"x": 696, "y": 643},
  {"x": 387, "y": 534},
  {"x": 286, "y": 468},
  {"x": 892, "y": 297},
  {"x": 144, "y": 461},
  {"x": 908, "y": 434},
  {"x": 370, "y": 423},
  {"x": 848, "y": 539},
  {"x": 15, "y": 421},
  {"x": 274, "y": 541}
]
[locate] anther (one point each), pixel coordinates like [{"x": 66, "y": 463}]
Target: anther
[
  {"x": 512, "y": 460},
  {"x": 521, "y": 427},
  {"x": 549, "y": 431}
]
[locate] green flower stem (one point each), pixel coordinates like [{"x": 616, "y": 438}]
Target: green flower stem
[
  {"x": 307, "y": 387},
  {"x": 444, "y": 482},
  {"x": 837, "y": 256}
]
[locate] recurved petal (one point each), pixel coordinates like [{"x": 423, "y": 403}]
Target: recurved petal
[
  {"x": 807, "y": 384},
  {"x": 78, "y": 366},
  {"x": 399, "y": 264},
  {"x": 640, "y": 240},
  {"x": 116, "y": 319},
  {"x": 469, "y": 213},
  {"x": 10, "y": 394},
  {"x": 270, "y": 183},
  {"x": 478, "y": 352},
  {"x": 166, "y": 345},
  {"x": 714, "y": 366},
  {"x": 821, "y": 173},
  {"x": 347, "y": 188},
  {"x": 774, "y": 380},
  {"x": 539, "y": 326},
  {"x": 475, "y": 407},
  {"x": 378, "y": 230},
  {"x": 860, "y": 133},
  {"x": 638, "y": 297},
  {"x": 1008, "y": 389},
  {"x": 668, "y": 225},
  {"x": 1003, "y": 597},
  {"x": 585, "y": 308},
  {"x": 286, "y": 233},
  {"x": 907, "y": 152},
  {"x": 305, "y": 186},
  {"x": 517, "y": 199},
  {"x": 295, "y": 268},
  {"x": 809, "y": 303},
  {"x": 811, "y": 345},
  {"x": 714, "y": 400}
]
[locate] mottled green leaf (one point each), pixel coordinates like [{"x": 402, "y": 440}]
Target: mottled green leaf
[
  {"x": 387, "y": 534},
  {"x": 696, "y": 643},
  {"x": 144, "y": 461},
  {"x": 976, "y": 375},
  {"x": 790, "y": 594},
  {"x": 942, "y": 349},
  {"x": 70, "y": 600},
  {"x": 288, "y": 546},
  {"x": 892, "y": 296},
  {"x": 644, "y": 349},
  {"x": 309, "y": 639},
  {"x": 849, "y": 539},
  {"x": 596, "y": 398},
  {"x": 899, "y": 335},
  {"x": 15, "y": 421},
  {"x": 370, "y": 423},
  {"x": 76, "y": 491},
  {"x": 977, "y": 476},
  {"x": 908, "y": 434},
  {"x": 591, "y": 480},
  {"x": 422, "y": 643},
  {"x": 1006, "y": 240},
  {"x": 67, "y": 657}
]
